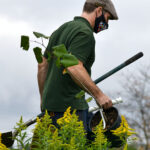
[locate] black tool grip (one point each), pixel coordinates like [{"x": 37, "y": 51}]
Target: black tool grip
[
  {"x": 121, "y": 66},
  {"x": 134, "y": 58}
]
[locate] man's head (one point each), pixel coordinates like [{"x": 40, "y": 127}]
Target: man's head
[
  {"x": 99, "y": 12},
  {"x": 107, "y": 6}
]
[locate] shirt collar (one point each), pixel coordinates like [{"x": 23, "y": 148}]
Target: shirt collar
[{"x": 78, "y": 18}]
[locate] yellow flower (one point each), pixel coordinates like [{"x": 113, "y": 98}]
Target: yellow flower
[
  {"x": 38, "y": 122},
  {"x": 60, "y": 121},
  {"x": 126, "y": 147},
  {"x": 2, "y": 146},
  {"x": 100, "y": 136},
  {"x": 124, "y": 129},
  {"x": 66, "y": 117}
]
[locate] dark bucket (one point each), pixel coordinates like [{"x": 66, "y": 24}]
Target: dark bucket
[{"x": 114, "y": 123}]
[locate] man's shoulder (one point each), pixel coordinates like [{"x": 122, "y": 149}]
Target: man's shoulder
[{"x": 81, "y": 26}]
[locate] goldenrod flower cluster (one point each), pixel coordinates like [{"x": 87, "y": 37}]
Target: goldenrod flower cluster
[
  {"x": 66, "y": 118},
  {"x": 71, "y": 130},
  {"x": 124, "y": 131},
  {"x": 2, "y": 146},
  {"x": 100, "y": 140},
  {"x": 43, "y": 132},
  {"x": 69, "y": 135}
]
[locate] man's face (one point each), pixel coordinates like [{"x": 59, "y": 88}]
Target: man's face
[
  {"x": 107, "y": 16},
  {"x": 99, "y": 12}
]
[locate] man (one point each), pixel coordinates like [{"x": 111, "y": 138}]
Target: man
[{"x": 57, "y": 90}]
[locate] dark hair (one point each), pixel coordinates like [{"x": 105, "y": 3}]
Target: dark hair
[{"x": 89, "y": 7}]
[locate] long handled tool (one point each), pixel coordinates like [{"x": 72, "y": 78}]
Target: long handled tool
[{"x": 8, "y": 137}]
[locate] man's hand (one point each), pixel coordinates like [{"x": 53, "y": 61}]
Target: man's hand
[{"x": 104, "y": 101}]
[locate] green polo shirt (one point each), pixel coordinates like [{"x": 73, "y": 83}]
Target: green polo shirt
[{"x": 60, "y": 90}]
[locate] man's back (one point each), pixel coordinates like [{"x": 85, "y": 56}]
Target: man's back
[{"x": 60, "y": 90}]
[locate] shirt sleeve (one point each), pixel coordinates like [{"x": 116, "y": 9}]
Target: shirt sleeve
[{"x": 82, "y": 46}]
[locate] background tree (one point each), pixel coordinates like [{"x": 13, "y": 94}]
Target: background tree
[{"x": 135, "y": 90}]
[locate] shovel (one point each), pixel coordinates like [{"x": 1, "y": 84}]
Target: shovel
[{"x": 8, "y": 137}]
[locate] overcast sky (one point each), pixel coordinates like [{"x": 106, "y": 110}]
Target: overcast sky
[{"x": 18, "y": 69}]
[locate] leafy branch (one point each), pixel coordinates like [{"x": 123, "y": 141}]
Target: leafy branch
[{"x": 63, "y": 58}]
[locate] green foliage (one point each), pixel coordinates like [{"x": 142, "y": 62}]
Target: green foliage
[
  {"x": 24, "y": 42},
  {"x": 58, "y": 64},
  {"x": 40, "y": 35},
  {"x": 124, "y": 131},
  {"x": 63, "y": 57},
  {"x": 38, "y": 54},
  {"x": 100, "y": 142},
  {"x": 69, "y": 60},
  {"x": 72, "y": 131},
  {"x": 70, "y": 135},
  {"x": 59, "y": 50},
  {"x": 43, "y": 133},
  {"x": 132, "y": 147},
  {"x": 80, "y": 94},
  {"x": 89, "y": 99},
  {"x": 23, "y": 142}
]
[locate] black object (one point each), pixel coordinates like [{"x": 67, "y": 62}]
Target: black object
[
  {"x": 7, "y": 139},
  {"x": 95, "y": 120}
]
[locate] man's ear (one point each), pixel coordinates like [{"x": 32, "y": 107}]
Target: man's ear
[{"x": 99, "y": 11}]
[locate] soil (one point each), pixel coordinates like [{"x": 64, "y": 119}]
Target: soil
[{"x": 110, "y": 118}]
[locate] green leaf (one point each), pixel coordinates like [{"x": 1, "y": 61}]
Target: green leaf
[
  {"x": 59, "y": 50},
  {"x": 80, "y": 94},
  {"x": 38, "y": 54},
  {"x": 24, "y": 42},
  {"x": 21, "y": 120},
  {"x": 58, "y": 64},
  {"x": 40, "y": 35},
  {"x": 89, "y": 99},
  {"x": 69, "y": 60}
]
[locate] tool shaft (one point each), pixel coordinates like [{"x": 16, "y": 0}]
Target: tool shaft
[{"x": 121, "y": 66}]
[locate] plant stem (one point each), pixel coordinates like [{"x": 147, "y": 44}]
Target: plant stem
[{"x": 38, "y": 43}]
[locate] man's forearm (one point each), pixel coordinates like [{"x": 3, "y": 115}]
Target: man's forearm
[
  {"x": 82, "y": 78},
  {"x": 42, "y": 73}
]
